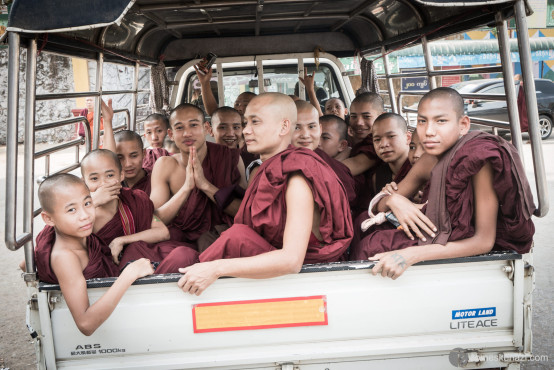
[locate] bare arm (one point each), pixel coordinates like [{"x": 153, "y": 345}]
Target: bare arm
[
  {"x": 207, "y": 95},
  {"x": 288, "y": 260},
  {"x": 308, "y": 82},
  {"x": 393, "y": 264},
  {"x": 168, "y": 206},
  {"x": 359, "y": 164},
  {"x": 107, "y": 115},
  {"x": 67, "y": 267},
  {"x": 158, "y": 232}
]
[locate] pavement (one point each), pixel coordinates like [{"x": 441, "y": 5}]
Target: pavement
[{"x": 17, "y": 346}]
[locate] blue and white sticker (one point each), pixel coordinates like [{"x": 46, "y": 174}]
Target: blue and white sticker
[{"x": 473, "y": 313}]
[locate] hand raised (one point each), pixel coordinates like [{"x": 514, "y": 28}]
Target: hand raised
[
  {"x": 199, "y": 179},
  {"x": 203, "y": 78},
  {"x": 308, "y": 80},
  {"x": 189, "y": 173},
  {"x": 107, "y": 111}
]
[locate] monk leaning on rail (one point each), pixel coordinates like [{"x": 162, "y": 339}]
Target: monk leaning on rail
[
  {"x": 295, "y": 210},
  {"x": 67, "y": 253},
  {"x": 479, "y": 197}
]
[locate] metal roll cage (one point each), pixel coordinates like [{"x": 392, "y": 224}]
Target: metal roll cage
[{"x": 14, "y": 241}]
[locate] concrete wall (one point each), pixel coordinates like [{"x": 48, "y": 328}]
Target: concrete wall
[{"x": 55, "y": 74}]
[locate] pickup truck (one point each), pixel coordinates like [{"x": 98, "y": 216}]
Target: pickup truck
[{"x": 472, "y": 312}]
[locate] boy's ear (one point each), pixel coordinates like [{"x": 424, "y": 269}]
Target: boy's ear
[
  {"x": 285, "y": 127},
  {"x": 47, "y": 219},
  {"x": 465, "y": 124},
  {"x": 409, "y": 137},
  {"x": 170, "y": 133},
  {"x": 343, "y": 145},
  {"x": 209, "y": 129},
  {"x": 350, "y": 132},
  {"x": 345, "y": 112}
]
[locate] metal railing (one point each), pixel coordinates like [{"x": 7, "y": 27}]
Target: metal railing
[{"x": 510, "y": 97}]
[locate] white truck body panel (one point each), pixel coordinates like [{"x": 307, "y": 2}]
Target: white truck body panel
[{"x": 370, "y": 319}]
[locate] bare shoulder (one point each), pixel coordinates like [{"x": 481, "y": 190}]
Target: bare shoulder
[
  {"x": 166, "y": 165},
  {"x": 64, "y": 261}
]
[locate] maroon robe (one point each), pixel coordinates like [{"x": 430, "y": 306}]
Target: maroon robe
[
  {"x": 522, "y": 109},
  {"x": 343, "y": 173},
  {"x": 141, "y": 209},
  {"x": 383, "y": 175},
  {"x": 143, "y": 184},
  {"x": 514, "y": 227},
  {"x": 199, "y": 213},
  {"x": 260, "y": 222},
  {"x": 151, "y": 155},
  {"x": 100, "y": 263},
  {"x": 364, "y": 189},
  {"x": 384, "y": 170}
]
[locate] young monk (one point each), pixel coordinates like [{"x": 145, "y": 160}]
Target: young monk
[
  {"x": 149, "y": 156},
  {"x": 126, "y": 222},
  {"x": 155, "y": 130},
  {"x": 295, "y": 210},
  {"x": 365, "y": 108},
  {"x": 130, "y": 152},
  {"x": 201, "y": 187},
  {"x": 226, "y": 129},
  {"x": 416, "y": 148},
  {"x": 67, "y": 253},
  {"x": 478, "y": 194},
  {"x": 391, "y": 140},
  {"x": 334, "y": 137},
  {"x": 307, "y": 134}
]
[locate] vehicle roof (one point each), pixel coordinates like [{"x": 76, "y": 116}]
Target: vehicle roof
[{"x": 179, "y": 31}]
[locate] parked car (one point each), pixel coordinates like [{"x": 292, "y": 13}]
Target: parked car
[{"x": 497, "y": 110}]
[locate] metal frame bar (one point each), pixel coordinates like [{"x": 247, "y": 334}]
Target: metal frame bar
[
  {"x": 29, "y": 168},
  {"x": 532, "y": 109},
  {"x": 518, "y": 271},
  {"x": 449, "y": 72},
  {"x": 301, "y": 87},
  {"x": 98, "y": 101},
  {"x": 13, "y": 241},
  {"x": 133, "y": 120},
  {"x": 428, "y": 62},
  {"x": 47, "y": 336},
  {"x": 509, "y": 87},
  {"x": 220, "y": 87},
  {"x": 390, "y": 84},
  {"x": 260, "y": 69}
]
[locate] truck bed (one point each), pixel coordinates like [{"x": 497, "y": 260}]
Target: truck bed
[{"x": 329, "y": 316}]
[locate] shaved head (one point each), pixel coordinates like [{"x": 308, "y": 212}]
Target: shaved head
[
  {"x": 128, "y": 135},
  {"x": 304, "y": 106},
  {"x": 397, "y": 119},
  {"x": 340, "y": 124},
  {"x": 449, "y": 94},
  {"x": 374, "y": 99},
  {"x": 282, "y": 105},
  {"x": 186, "y": 106},
  {"x": 53, "y": 185},
  {"x": 93, "y": 155}
]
